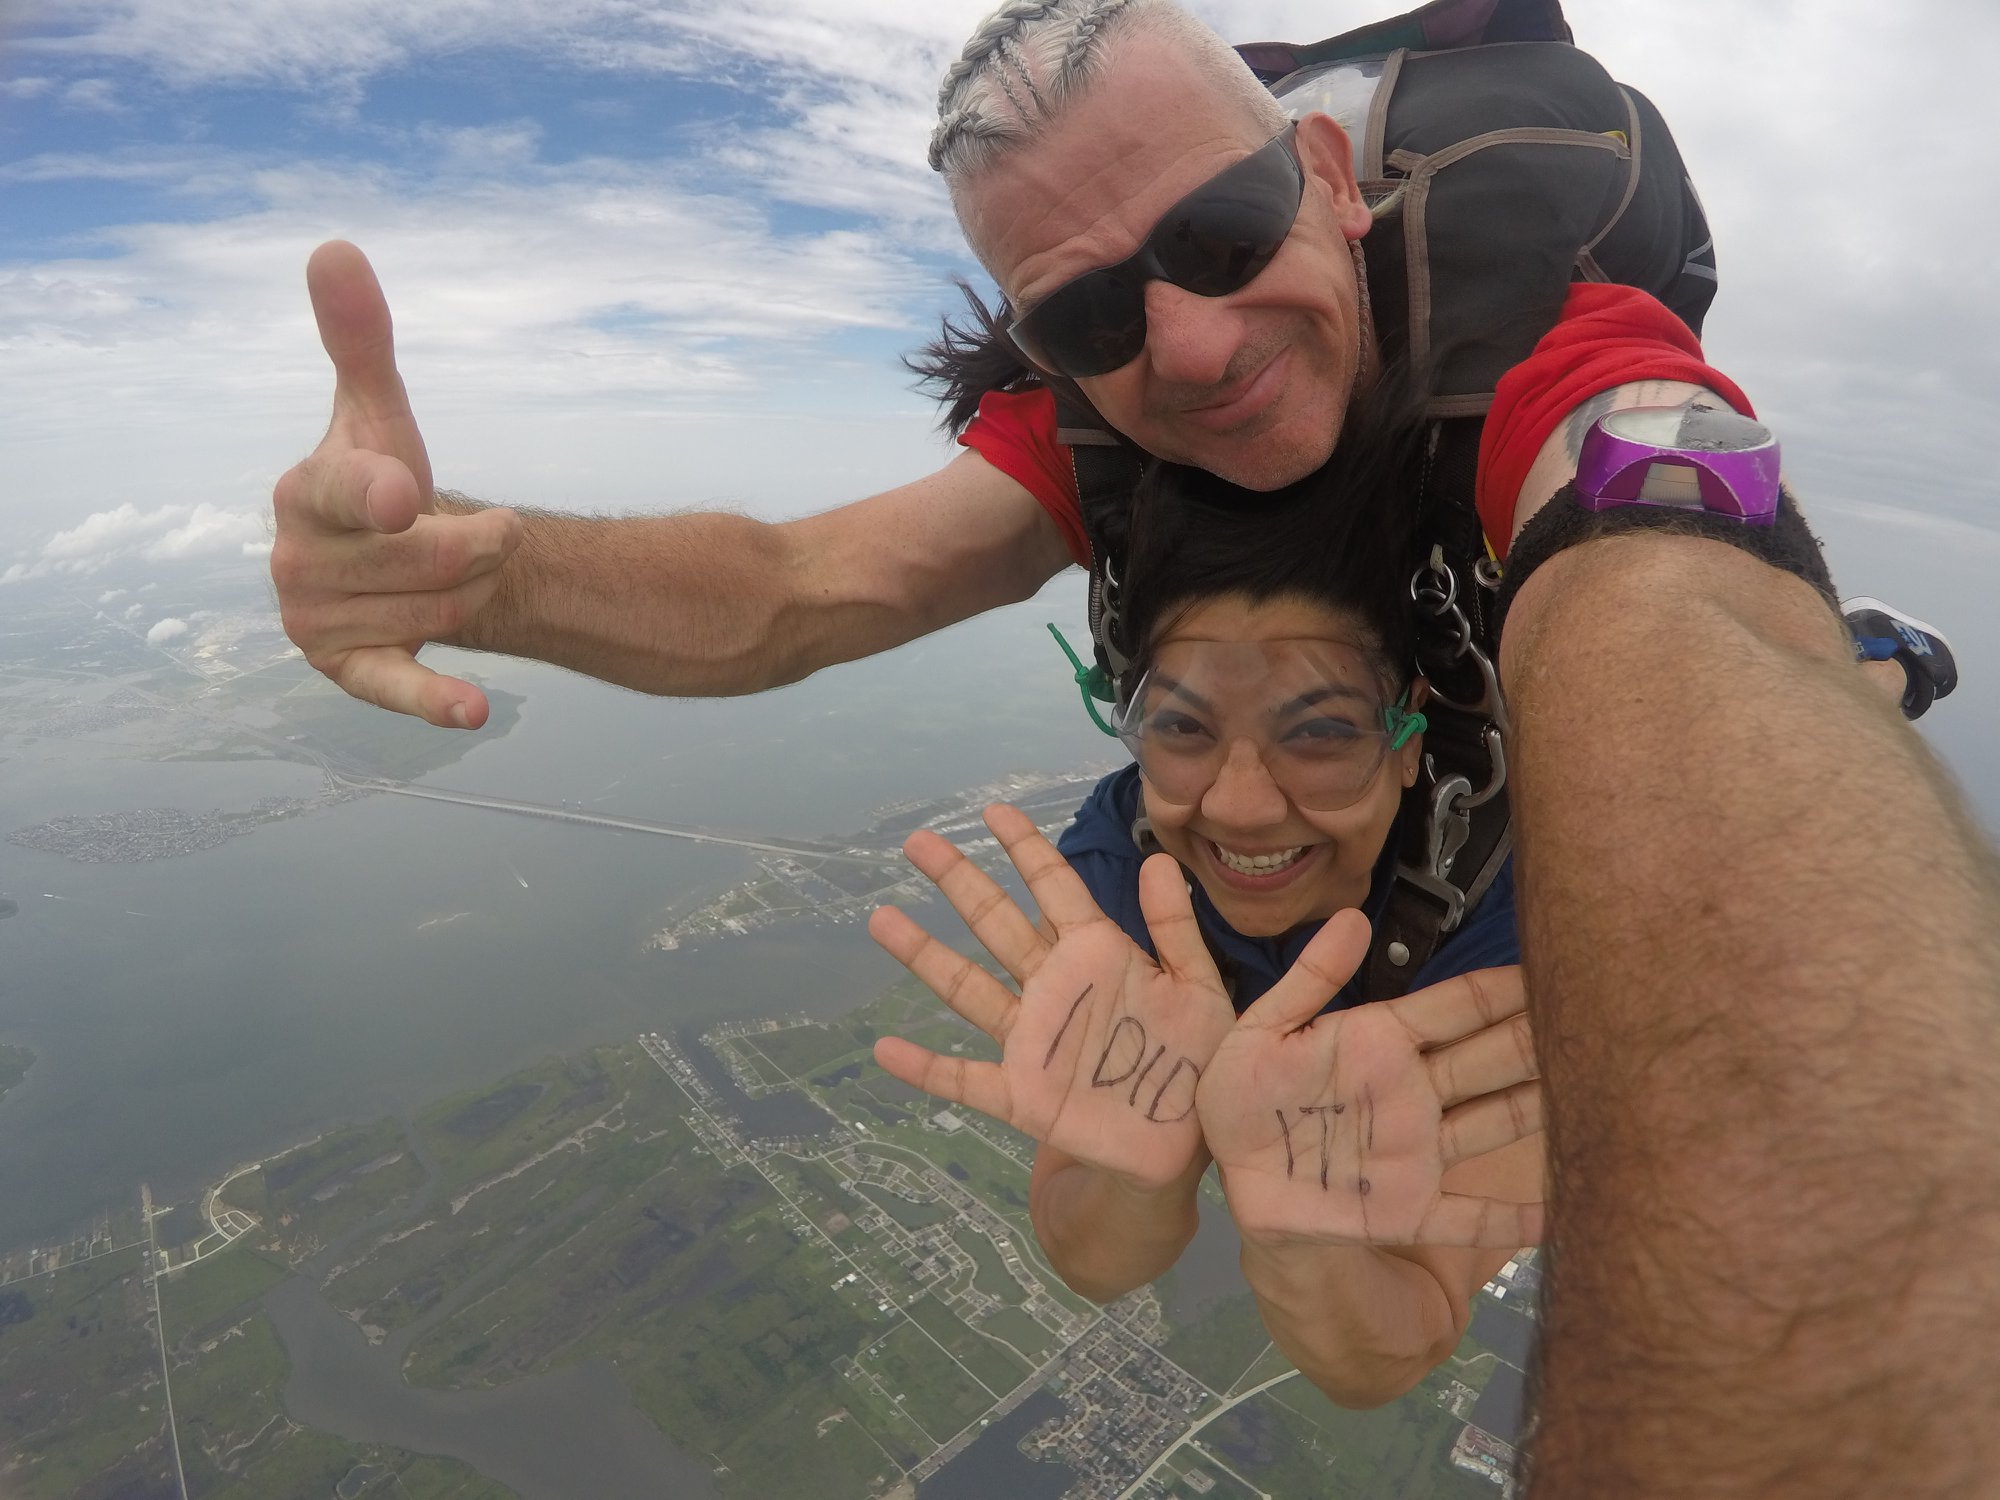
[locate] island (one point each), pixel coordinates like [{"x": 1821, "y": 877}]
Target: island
[{"x": 80, "y": 682}]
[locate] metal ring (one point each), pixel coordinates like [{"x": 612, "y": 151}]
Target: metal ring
[{"x": 1445, "y": 589}]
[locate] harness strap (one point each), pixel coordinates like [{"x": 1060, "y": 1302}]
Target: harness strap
[
  {"x": 1424, "y": 905},
  {"x": 1107, "y": 468},
  {"x": 1459, "y": 831}
]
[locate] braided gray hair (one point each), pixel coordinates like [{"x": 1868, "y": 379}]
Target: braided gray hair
[{"x": 1030, "y": 56}]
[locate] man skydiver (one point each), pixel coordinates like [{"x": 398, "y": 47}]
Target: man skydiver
[{"x": 1759, "y": 930}]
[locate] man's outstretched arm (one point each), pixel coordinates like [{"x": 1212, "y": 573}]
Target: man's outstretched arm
[
  {"x": 1762, "y": 935},
  {"x": 370, "y": 565}
]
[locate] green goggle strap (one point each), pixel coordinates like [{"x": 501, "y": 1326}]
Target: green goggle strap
[
  {"x": 1398, "y": 720},
  {"x": 1093, "y": 682}
]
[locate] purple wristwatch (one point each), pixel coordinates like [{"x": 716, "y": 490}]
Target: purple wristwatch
[{"x": 1697, "y": 456}]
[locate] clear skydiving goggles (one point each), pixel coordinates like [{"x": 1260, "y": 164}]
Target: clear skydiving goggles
[{"x": 1311, "y": 710}]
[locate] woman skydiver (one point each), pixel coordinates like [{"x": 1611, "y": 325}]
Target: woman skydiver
[{"x": 1381, "y": 1162}]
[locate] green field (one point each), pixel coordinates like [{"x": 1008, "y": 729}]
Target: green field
[
  {"x": 766, "y": 1072},
  {"x": 80, "y": 1403},
  {"x": 82, "y": 1412},
  {"x": 932, "y": 1388},
  {"x": 236, "y": 1445},
  {"x": 522, "y": 1166},
  {"x": 909, "y": 1214},
  {"x": 718, "y": 1294},
  {"x": 310, "y": 1196},
  {"x": 1199, "y": 1473},
  {"x": 807, "y": 1051},
  {"x": 992, "y": 1365},
  {"x": 1223, "y": 1344},
  {"x": 578, "y": 1210},
  {"x": 1291, "y": 1436},
  {"x": 203, "y": 1297},
  {"x": 992, "y": 1276},
  {"x": 1022, "y": 1332}
]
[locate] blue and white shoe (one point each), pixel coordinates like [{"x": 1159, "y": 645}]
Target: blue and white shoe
[{"x": 1884, "y": 633}]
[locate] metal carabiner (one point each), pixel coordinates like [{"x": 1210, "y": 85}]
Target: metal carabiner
[
  {"x": 1491, "y": 705},
  {"x": 1105, "y": 624},
  {"x": 1449, "y": 826},
  {"x": 1434, "y": 589},
  {"x": 1495, "y": 744}
]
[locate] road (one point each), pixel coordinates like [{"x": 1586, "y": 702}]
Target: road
[
  {"x": 664, "y": 1057},
  {"x": 226, "y": 1225},
  {"x": 155, "y": 1267},
  {"x": 602, "y": 820},
  {"x": 1230, "y": 1404}
]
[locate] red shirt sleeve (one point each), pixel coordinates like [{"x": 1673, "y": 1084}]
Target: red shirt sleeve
[
  {"x": 1015, "y": 431},
  {"x": 1607, "y": 336}
]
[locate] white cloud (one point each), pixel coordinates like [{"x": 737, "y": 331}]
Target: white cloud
[
  {"x": 309, "y": 42},
  {"x": 149, "y": 165},
  {"x": 166, "y": 630},
  {"x": 494, "y": 151},
  {"x": 168, "y": 533},
  {"x": 108, "y": 596},
  {"x": 599, "y": 323},
  {"x": 207, "y": 530},
  {"x": 25, "y": 88},
  {"x": 104, "y": 533},
  {"x": 93, "y": 95},
  {"x": 539, "y": 292}
]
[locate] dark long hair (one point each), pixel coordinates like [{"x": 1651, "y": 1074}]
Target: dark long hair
[
  {"x": 966, "y": 360},
  {"x": 1343, "y": 536}
]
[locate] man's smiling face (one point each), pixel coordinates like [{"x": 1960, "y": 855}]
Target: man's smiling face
[{"x": 1251, "y": 386}]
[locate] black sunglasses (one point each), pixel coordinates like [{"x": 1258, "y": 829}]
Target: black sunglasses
[{"x": 1213, "y": 242}]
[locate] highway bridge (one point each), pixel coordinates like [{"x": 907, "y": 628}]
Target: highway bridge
[{"x": 798, "y": 850}]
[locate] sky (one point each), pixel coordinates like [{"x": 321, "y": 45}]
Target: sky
[{"x": 663, "y": 254}]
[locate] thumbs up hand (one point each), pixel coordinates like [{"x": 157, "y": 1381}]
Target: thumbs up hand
[{"x": 367, "y": 568}]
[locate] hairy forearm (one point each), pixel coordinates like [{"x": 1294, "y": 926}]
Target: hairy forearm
[
  {"x": 1105, "y": 1237},
  {"x": 692, "y": 605},
  {"x": 1759, "y": 931},
  {"x": 708, "y": 604},
  {"x": 1362, "y": 1324}
]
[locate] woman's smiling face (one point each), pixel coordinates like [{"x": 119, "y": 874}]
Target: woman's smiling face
[{"x": 1241, "y": 703}]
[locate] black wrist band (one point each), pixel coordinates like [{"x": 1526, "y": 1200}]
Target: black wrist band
[{"x": 1787, "y": 542}]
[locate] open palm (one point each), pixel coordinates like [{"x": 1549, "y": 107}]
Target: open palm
[
  {"x": 1338, "y": 1128},
  {"x": 1102, "y": 1049}
]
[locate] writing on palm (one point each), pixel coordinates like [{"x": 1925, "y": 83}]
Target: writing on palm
[
  {"x": 1330, "y": 1132},
  {"x": 1103, "y": 1048},
  {"x": 1339, "y": 1128}
]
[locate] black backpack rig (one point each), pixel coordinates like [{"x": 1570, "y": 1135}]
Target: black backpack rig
[{"x": 1502, "y": 165}]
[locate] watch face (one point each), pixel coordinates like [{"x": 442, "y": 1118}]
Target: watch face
[
  {"x": 1696, "y": 427},
  {"x": 1696, "y": 456}
]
